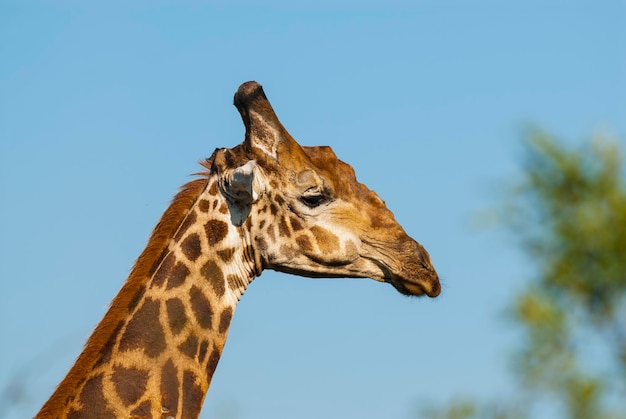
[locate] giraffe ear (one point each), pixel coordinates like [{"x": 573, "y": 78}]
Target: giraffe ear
[{"x": 242, "y": 185}]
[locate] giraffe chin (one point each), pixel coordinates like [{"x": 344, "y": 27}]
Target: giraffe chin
[{"x": 417, "y": 289}]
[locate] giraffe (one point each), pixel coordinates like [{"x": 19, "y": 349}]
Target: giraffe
[{"x": 267, "y": 203}]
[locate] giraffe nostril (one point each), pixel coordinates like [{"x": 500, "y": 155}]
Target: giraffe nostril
[{"x": 435, "y": 289}]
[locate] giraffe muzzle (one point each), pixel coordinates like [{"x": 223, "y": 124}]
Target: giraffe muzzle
[
  {"x": 417, "y": 280},
  {"x": 414, "y": 274}
]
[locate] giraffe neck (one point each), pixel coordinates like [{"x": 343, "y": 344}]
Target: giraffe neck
[{"x": 159, "y": 357}]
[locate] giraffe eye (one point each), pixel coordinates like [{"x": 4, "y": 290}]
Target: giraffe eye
[{"x": 313, "y": 200}]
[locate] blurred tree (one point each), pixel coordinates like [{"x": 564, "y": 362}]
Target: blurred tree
[
  {"x": 569, "y": 214},
  {"x": 571, "y": 218}
]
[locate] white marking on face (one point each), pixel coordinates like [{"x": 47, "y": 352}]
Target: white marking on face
[{"x": 348, "y": 242}]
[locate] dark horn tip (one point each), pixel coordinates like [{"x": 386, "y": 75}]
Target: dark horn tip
[{"x": 247, "y": 93}]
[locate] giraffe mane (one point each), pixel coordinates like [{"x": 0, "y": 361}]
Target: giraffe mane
[{"x": 104, "y": 334}]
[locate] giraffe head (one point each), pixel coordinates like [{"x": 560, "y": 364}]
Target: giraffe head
[{"x": 307, "y": 213}]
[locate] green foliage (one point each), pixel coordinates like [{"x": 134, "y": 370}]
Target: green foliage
[
  {"x": 574, "y": 230},
  {"x": 569, "y": 215},
  {"x": 578, "y": 236}
]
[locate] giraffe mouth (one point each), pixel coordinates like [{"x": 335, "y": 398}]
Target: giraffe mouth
[
  {"x": 410, "y": 272},
  {"x": 413, "y": 279},
  {"x": 425, "y": 285}
]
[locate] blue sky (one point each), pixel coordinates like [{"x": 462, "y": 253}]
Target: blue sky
[{"x": 106, "y": 109}]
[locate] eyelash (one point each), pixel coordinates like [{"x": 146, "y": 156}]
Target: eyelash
[{"x": 313, "y": 201}]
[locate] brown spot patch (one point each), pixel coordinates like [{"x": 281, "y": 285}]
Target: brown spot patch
[
  {"x": 279, "y": 199},
  {"x": 92, "y": 396},
  {"x": 214, "y": 275},
  {"x": 225, "y": 319},
  {"x": 283, "y": 228},
  {"x": 223, "y": 208},
  {"x": 295, "y": 224},
  {"x": 326, "y": 241},
  {"x": 136, "y": 298},
  {"x": 107, "y": 349},
  {"x": 130, "y": 384},
  {"x": 142, "y": 411},
  {"x": 192, "y": 396},
  {"x": 178, "y": 275},
  {"x": 304, "y": 243},
  {"x": 169, "y": 387},
  {"x": 216, "y": 231},
  {"x": 176, "y": 316},
  {"x": 273, "y": 209},
  {"x": 164, "y": 270},
  {"x": 190, "y": 346},
  {"x": 212, "y": 364},
  {"x": 204, "y": 205},
  {"x": 157, "y": 262},
  {"x": 144, "y": 331},
  {"x": 204, "y": 346},
  {"x": 226, "y": 255},
  {"x": 188, "y": 222},
  {"x": 213, "y": 189},
  {"x": 191, "y": 247},
  {"x": 201, "y": 307}
]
